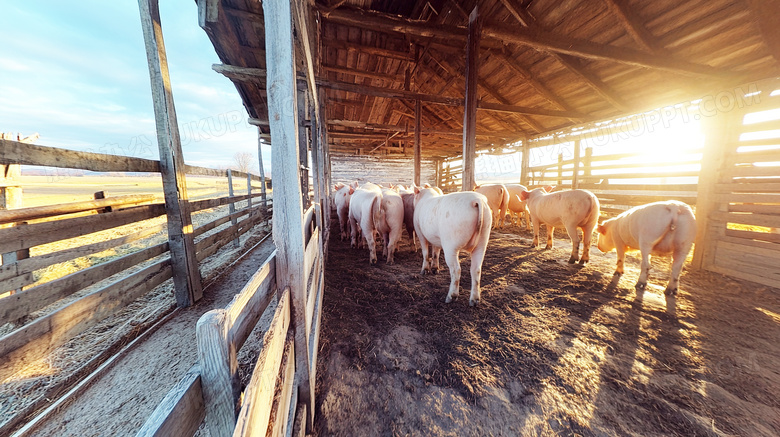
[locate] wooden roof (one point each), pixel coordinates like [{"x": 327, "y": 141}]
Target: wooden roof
[{"x": 544, "y": 64}]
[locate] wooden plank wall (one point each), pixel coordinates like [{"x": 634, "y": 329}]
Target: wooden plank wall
[
  {"x": 349, "y": 168},
  {"x": 739, "y": 214}
]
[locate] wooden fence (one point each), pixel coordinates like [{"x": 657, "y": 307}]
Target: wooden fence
[
  {"x": 623, "y": 180},
  {"x": 738, "y": 213},
  {"x": 268, "y": 405},
  {"x": 114, "y": 283}
]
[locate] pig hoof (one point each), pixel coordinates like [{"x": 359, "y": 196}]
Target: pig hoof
[
  {"x": 583, "y": 262},
  {"x": 423, "y": 272},
  {"x": 670, "y": 292},
  {"x": 448, "y": 299},
  {"x": 617, "y": 274},
  {"x": 434, "y": 271},
  {"x": 641, "y": 285},
  {"x": 572, "y": 260},
  {"x": 548, "y": 247},
  {"x": 473, "y": 302}
]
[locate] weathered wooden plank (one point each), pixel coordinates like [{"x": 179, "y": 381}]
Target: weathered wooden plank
[
  {"x": 186, "y": 276},
  {"x": 22, "y": 237},
  {"x": 180, "y": 412},
  {"x": 15, "y": 307},
  {"x": 205, "y": 171},
  {"x": 383, "y": 170},
  {"x": 30, "y": 154},
  {"x": 288, "y": 227},
  {"x": 299, "y": 425},
  {"x": 314, "y": 336},
  {"x": 311, "y": 254},
  {"x": 749, "y": 198},
  {"x": 750, "y": 236},
  {"x": 281, "y": 404},
  {"x": 470, "y": 111},
  {"x": 253, "y": 419},
  {"x": 209, "y": 245},
  {"x": 767, "y": 220},
  {"x": 311, "y": 294},
  {"x": 37, "y": 339},
  {"x": 637, "y": 187},
  {"x": 219, "y": 372},
  {"x": 36, "y": 212},
  {"x": 29, "y": 265},
  {"x": 767, "y": 187},
  {"x": 219, "y": 201},
  {"x": 643, "y": 198},
  {"x": 754, "y": 156},
  {"x": 245, "y": 310},
  {"x": 202, "y": 229},
  {"x": 737, "y": 271},
  {"x": 231, "y": 207},
  {"x": 767, "y": 253},
  {"x": 417, "y": 143}
]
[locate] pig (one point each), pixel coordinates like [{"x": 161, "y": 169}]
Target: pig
[
  {"x": 453, "y": 222},
  {"x": 659, "y": 228},
  {"x": 517, "y": 207},
  {"x": 498, "y": 199},
  {"x": 572, "y": 209},
  {"x": 342, "y": 194},
  {"x": 390, "y": 222},
  {"x": 364, "y": 209}
]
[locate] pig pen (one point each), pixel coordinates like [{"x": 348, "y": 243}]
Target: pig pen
[{"x": 552, "y": 349}]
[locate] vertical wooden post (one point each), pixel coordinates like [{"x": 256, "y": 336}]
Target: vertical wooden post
[
  {"x": 186, "y": 276},
  {"x": 525, "y": 162},
  {"x": 288, "y": 201},
  {"x": 437, "y": 174},
  {"x": 417, "y": 145},
  {"x": 232, "y": 205},
  {"x": 560, "y": 169},
  {"x": 11, "y": 198},
  {"x": 263, "y": 193},
  {"x": 586, "y": 166},
  {"x": 470, "y": 110},
  {"x": 249, "y": 190},
  {"x": 575, "y": 177},
  {"x": 218, "y": 372},
  {"x": 303, "y": 144},
  {"x": 720, "y": 132}
]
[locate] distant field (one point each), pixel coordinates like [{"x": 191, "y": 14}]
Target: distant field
[{"x": 47, "y": 190}]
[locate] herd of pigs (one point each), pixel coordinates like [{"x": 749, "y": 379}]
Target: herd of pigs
[{"x": 462, "y": 221}]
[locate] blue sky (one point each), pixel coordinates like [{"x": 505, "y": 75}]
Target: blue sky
[{"x": 76, "y": 73}]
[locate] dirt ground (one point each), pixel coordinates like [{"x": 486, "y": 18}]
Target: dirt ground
[{"x": 552, "y": 349}]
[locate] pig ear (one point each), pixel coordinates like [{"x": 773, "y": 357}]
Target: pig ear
[
  {"x": 549, "y": 188},
  {"x": 338, "y": 186},
  {"x": 602, "y": 230},
  {"x": 416, "y": 189},
  {"x": 351, "y": 190},
  {"x": 524, "y": 195},
  {"x": 427, "y": 185},
  {"x": 355, "y": 184}
]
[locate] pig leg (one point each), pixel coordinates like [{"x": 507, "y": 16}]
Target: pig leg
[
  {"x": 527, "y": 219},
  {"x": 645, "y": 249},
  {"x": 476, "y": 274},
  {"x": 575, "y": 242},
  {"x": 426, "y": 267},
  {"x": 370, "y": 237},
  {"x": 621, "y": 258},
  {"x": 386, "y": 241},
  {"x": 343, "y": 224},
  {"x": 678, "y": 260},
  {"x": 535, "y": 243},
  {"x": 550, "y": 232},
  {"x": 354, "y": 232},
  {"x": 451, "y": 257},
  {"x": 395, "y": 237},
  {"x": 587, "y": 235},
  {"x": 436, "y": 256}
]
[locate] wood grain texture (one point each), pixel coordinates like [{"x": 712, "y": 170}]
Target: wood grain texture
[{"x": 180, "y": 412}]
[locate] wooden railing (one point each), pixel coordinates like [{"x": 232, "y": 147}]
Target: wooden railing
[
  {"x": 137, "y": 272},
  {"x": 211, "y": 390}
]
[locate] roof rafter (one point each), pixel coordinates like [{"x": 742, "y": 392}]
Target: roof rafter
[{"x": 633, "y": 25}]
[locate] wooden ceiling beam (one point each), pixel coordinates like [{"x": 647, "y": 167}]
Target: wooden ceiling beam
[
  {"x": 633, "y": 25},
  {"x": 258, "y": 74},
  {"x": 361, "y": 73},
  {"x": 495, "y": 37},
  {"x": 524, "y": 18},
  {"x": 370, "y": 50}
]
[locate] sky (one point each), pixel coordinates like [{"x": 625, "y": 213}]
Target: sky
[{"x": 76, "y": 73}]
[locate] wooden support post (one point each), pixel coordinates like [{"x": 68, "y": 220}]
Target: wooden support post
[
  {"x": 303, "y": 144},
  {"x": 525, "y": 163},
  {"x": 322, "y": 135},
  {"x": 288, "y": 201},
  {"x": 586, "y": 166},
  {"x": 186, "y": 276},
  {"x": 219, "y": 373},
  {"x": 560, "y": 169},
  {"x": 249, "y": 191},
  {"x": 575, "y": 178},
  {"x": 232, "y": 206},
  {"x": 263, "y": 187},
  {"x": 720, "y": 132},
  {"x": 417, "y": 145},
  {"x": 470, "y": 111},
  {"x": 11, "y": 198}
]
